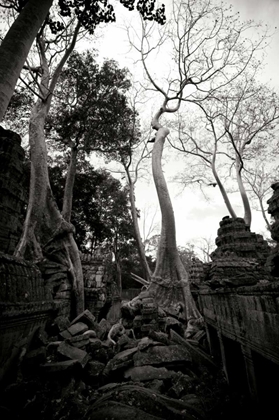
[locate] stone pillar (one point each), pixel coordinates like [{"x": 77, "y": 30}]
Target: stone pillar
[{"x": 250, "y": 372}]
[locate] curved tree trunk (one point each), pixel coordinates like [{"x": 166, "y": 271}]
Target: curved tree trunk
[
  {"x": 247, "y": 209},
  {"x": 268, "y": 225},
  {"x": 170, "y": 282},
  {"x": 45, "y": 232},
  {"x": 16, "y": 45},
  {"x": 141, "y": 250},
  {"x": 222, "y": 189}
]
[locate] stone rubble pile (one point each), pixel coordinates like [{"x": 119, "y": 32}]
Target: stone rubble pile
[{"x": 141, "y": 368}]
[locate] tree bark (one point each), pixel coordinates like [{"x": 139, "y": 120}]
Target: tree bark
[
  {"x": 222, "y": 189},
  {"x": 69, "y": 185},
  {"x": 247, "y": 209},
  {"x": 170, "y": 282},
  {"x": 16, "y": 45},
  {"x": 141, "y": 250},
  {"x": 46, "y": 233}
]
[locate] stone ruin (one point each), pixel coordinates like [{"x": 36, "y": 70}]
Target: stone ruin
[
  {"x": 240, "y": 256},
  {"x": 273, "y": 209},
  {"x": 97, "y": 367}
]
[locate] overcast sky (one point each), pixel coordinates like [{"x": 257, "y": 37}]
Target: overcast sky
[{"x": 195, "y": 217}]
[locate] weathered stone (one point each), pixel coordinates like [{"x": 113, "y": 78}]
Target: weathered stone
[
  {"x": 160, "y": 336},
  {"x": 162, "y": 355},
  {"x": 100, "y": 354},
  {"x": 65, "y": 334},
  {"x": 94, "y": 368},
  {"x": 77, "y": 328},
  {"x": 156, "y": 385},
  {"x": 86, "y": 317},
  {"x": 78, "y": 341},
  {"x": 61, "y": 322},
  {"x": 145, "y": 328},
  {"x": 144, "y": 343},
  {"x": 147, "y": 373},
  {"x": 104, "y": 327},
  {"x": 182, "y": 386},
  {"x": 55, "y": 367},
  {"x": 73, "y": 353},
  {"x": 198, "y": 356},
  {"x": 94, "y": 344},
  {"x": 122, "y": 359}
]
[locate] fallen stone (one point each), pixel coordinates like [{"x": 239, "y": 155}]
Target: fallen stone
[
  {"x": 73, "y": 353},
  {"x": 100, "y": 354},
  {"x": 77, "y": 328},
  {"x": 78, "y": 341},
  {"x": 94, "y": 344},
  {"x": 86, "y": 317},
  {"x": 174, "y": 324},
  {"x": 61, "y": 323},
  {"x": 145, "y": 328},
  {"x": 65, "y": 334},
  {"x": 156, "y": 385},
  {"x": 147, "y": 373},
  {"x": 182, "y": 386},
  {"x": 160, "y": 336},
  {"x": 198, "y": 355},
  {"x": 121, "y": 360},
  {"x": 54, "y": 367},
  {"x": 135, "y": 397},
  {"x": 94, "y": 368},
  {"x": 160, "y": 355},
  {"x": 144, "y": 343},
  {"x": 104, "y": 327}
]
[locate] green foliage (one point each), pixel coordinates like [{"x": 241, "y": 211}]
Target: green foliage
[
  {"x": 92, "y": 110},
  {"x": 91, "y": 13},
  {"x": 18, "y": 112},
  {"x": 100, "y": 209}
]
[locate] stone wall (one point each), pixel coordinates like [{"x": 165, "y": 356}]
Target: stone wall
[
  {"x": 273, "y": 209},
  {"x": 25, "y": 305},
  {"x": 12, "y": 193},
  {"x": 101, "y": 293},
  {"x": 239, "y": 300}
]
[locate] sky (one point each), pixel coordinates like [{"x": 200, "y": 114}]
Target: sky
[{"x": 195, "y": 217}]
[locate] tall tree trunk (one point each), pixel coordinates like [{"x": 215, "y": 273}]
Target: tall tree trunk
[
  {"x": 222, "y": 189},
  {"x": 46, "y": 232},
  {"x": 69, "y": 185},
  {"x": 170, "y": 282},
  {"x": 140, "y": 246},
  {"x": 246, "y": 205},
  {"x": 16, "y": 45}
]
